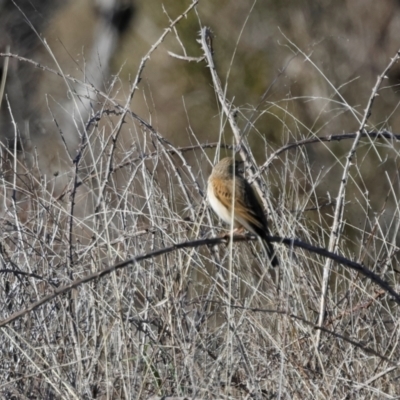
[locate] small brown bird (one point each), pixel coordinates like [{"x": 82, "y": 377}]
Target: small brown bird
[{"x": 228, "y": 188}]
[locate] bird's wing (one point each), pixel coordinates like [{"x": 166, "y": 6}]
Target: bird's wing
[{"x": 248, "y": 206}]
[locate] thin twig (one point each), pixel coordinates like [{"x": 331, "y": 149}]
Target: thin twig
[
  {"x": 384, "y": 134},
  {"x": 129, "y": 99},
  {"x": 185, "y": 58},
  {"x": 205, "y": 242},
  {"x": 313, "y": 325},
  {"x": 4, "y": 75},
  {"x": 228, "y": 109},
  {"x": 340, "y": 200}
]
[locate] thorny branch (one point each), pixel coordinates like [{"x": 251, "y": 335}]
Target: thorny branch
[
  {"x": 205, "y": 242},
  {"x": 340, "y": 199}
]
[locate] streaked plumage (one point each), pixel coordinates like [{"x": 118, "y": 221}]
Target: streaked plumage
[{"x": 228, "y": 188}]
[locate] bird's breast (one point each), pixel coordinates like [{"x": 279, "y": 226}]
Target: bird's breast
[{"x": 217, "y": 206}]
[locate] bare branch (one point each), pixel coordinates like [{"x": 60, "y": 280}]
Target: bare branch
[
  {"x": 206, "y": 242},
  {"x": 340, "y": 199}
]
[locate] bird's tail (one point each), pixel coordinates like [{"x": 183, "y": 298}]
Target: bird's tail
[{"x": 269, "y": 248}]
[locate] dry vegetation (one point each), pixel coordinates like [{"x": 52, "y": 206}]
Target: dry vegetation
[{"x": 115, "y": 282}]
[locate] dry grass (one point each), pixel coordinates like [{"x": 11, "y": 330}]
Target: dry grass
[{"x": 199, "y": 322}]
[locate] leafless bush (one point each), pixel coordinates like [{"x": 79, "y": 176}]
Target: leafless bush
[{"x": 115, "y": 283}]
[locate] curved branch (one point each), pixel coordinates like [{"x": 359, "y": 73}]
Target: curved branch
[
  {"x": 384, "y": 134},
  {"x": 206, "y": 242}
]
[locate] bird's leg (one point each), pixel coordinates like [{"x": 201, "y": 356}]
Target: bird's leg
[
  {"x": 239, "y": 230},
  {"x": 235, "y": 231}
]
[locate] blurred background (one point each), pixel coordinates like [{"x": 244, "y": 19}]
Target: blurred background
[{"x": 292, "y": 69}]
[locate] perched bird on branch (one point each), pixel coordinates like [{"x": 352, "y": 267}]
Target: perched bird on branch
[{"x": 227, "y": 190}]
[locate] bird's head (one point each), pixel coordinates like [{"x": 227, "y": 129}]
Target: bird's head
[{"x": 228, "y": 167}]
